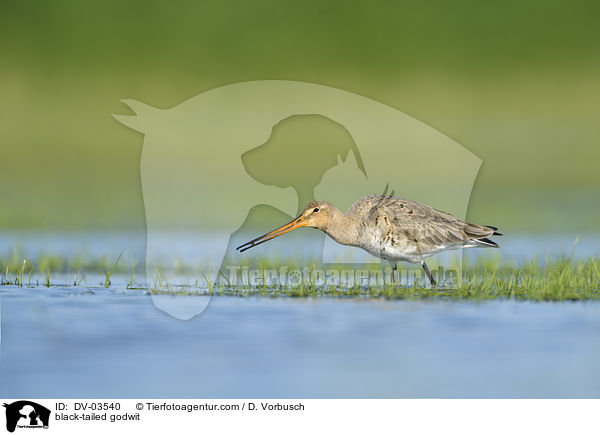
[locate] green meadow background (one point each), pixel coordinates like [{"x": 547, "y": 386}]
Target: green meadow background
[{"x": 516, "y": 82}]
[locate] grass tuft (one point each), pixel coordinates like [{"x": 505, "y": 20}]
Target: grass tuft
[{"x": 557, "y": 279}]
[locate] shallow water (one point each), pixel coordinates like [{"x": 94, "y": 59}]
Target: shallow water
[
  {"x": 93, "y": 342},
  {"x": 71, "y": 343}
]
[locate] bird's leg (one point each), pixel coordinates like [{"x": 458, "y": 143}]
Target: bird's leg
[
  {"x": 395, "y": 277},
  {"x": 428, "y": 272}
]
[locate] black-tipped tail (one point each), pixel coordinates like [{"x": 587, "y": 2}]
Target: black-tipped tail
[
  {"x": 494, "y": 229},
  {"x": 487, "y": 242}
]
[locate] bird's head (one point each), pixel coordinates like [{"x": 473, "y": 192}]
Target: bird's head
[{"x": 316, "y": 214}]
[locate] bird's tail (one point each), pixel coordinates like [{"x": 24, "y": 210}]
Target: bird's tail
[
  {"x": 479, "y": 236},
  {"x": 486, "y": 242},
  {"x": 495, "y": 233}
]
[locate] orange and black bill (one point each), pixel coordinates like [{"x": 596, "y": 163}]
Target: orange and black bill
[{"x": 296, "y": 223}]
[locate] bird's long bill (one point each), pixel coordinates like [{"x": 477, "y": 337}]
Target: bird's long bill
[{"x": 296, "y": 223}]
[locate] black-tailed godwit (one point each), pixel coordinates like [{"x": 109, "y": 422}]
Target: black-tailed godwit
[{"x": 391, "y": 228}]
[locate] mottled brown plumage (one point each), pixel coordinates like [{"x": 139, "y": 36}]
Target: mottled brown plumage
[{"x": 391, "y": 228}]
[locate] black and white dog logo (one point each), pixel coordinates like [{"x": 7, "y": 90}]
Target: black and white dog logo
[{"x": 26, "y": 414}]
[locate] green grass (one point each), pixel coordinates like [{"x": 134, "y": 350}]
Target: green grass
[
  {"x": 557, "y": 279},
  {"x": 107, "y": 281}
]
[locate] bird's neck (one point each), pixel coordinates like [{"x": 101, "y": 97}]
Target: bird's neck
[{"x": 341, "y": 229}]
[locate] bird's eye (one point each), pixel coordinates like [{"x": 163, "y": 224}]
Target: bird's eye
[{"x": 316, "y": 210}]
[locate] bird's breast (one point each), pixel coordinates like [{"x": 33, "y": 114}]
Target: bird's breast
[{"x": 389, "y": 247}]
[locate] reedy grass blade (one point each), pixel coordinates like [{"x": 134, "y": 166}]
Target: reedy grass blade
[
  {"x": 130, "y": 283},
  {"x": 109, "y": 274}
]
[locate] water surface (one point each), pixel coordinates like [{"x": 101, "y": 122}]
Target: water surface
[
  {"x": 89, "y": 341},
  {"x": 72, "y": 343}
]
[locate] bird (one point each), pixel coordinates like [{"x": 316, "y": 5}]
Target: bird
[{"x": 389, "y": 227}]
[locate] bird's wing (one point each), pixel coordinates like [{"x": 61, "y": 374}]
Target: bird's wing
[{"x": 419, "y": 225}]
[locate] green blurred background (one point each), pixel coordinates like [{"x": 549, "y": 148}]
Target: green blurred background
[{"x": 515, "y": 82}]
